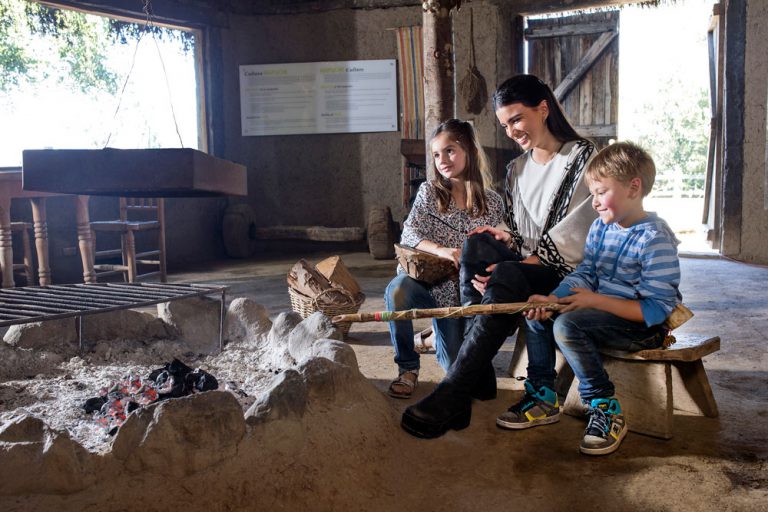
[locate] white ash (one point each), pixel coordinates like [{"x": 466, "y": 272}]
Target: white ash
[{"x": 54, "y": 384}]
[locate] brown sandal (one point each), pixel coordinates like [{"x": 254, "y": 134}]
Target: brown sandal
[{"x": 403, "y": 385}]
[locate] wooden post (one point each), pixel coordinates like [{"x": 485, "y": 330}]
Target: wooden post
[
  {"x": 40, "y": 224},
  {"x": 439, "y": 89},
  {"x": 6, "y": 247},
  {"x": 85, "y": 237}
]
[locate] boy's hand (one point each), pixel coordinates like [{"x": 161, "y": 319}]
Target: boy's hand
[
  {"x": 498, "y": 234},
  {"x": 582, "y": 298},
  {"x": 481, "y": 282},
  {"x": 539, "y": 314}
]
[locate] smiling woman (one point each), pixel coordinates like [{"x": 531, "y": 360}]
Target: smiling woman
[{"x": 75, "y": 80}]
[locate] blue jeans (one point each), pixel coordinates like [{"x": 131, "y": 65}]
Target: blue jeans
[
  {"x": 404, "y": 292},
  {"x": 580, "y": 334}
]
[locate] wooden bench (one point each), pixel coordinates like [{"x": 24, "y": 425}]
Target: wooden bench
[{"x": 652, "y": 384}]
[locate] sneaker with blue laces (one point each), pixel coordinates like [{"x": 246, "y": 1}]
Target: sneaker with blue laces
[
  {"x": 606, "y": 428},
  {"x": 537, "y": 407}
]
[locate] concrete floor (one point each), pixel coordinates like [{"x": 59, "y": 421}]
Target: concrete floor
[{"x": 720, "y": 462}]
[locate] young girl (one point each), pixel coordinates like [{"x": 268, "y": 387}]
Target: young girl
[
  {"x": 548, "y": 211},
  {"x": 445, "y": 210}
]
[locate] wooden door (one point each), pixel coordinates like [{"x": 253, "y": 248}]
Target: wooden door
[
  {"x": 578, "y": 56},
  {"x": 713, "y": 182}
]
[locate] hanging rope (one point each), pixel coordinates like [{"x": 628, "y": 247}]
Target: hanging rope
[
  {"x": 472, "y": 87},
  {"x": 148, "y": 26}
]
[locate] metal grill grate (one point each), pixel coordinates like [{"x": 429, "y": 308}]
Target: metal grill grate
[{"x": 40, "y": 303}]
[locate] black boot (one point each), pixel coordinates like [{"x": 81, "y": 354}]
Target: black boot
[
  {"x": 478, "y": 253},
  {"x": 444, "y": 408},
  {"x": 449, "y": 406},
  {"x": 485, "y": 386}
]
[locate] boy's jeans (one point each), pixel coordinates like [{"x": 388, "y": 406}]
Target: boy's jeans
[
  {"x": 580, "y": 334},
  {"x": 404, "y": 292}
]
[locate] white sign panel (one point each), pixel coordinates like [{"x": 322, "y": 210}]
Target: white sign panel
[{"x": 319, "y": 97}]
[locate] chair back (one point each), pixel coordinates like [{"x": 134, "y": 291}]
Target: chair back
[{"x": 142, "y": 208}]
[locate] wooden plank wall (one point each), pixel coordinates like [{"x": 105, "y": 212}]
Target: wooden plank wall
[{"x": 592, "y": 105}]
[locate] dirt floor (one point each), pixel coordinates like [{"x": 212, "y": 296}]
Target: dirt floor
[
  {"x": 709, "y": 464},
  {"x": 357, "y": 458}
]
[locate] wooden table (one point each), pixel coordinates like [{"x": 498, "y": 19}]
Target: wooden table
[
  {"x": 11, "y": 188},
  {"x": 164, "y": 172}
]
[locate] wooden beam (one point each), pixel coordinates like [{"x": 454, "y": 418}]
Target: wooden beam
[
  {"x": 569, "y": 30},
  {"x": 517, "y": 53},
  {"x": 528, "y": 7},
  {"x": 733, "y": 128},
  {"x": 597, "y": 130},
  {"x": 583, "y": 66},
  {"x": 439, "y": 92},
  {"x": 171, "y": 13}
]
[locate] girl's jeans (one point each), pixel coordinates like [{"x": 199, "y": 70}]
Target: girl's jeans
[
  {"x": 580, "y": 334},
  {"x": 404, "y": 292}
]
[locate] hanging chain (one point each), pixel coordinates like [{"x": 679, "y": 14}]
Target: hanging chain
[{"x": 148, "y": 26}]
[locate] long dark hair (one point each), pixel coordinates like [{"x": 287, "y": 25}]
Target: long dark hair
[
  {"x": 530, "y": 90},
  {"x": 477, "y": 174}
]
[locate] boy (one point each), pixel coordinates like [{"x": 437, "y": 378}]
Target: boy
[{"x": 618, "y": 297}]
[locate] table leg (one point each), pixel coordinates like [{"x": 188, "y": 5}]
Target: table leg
[
  {"x": 40, "y": 220},
  {"x": 6, "y": 246},
  {"x": 84, "y": 238}
]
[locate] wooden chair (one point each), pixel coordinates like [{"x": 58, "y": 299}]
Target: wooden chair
[
  {"x": 137, "y": 215},
  {"x": 25, "y": 268}
]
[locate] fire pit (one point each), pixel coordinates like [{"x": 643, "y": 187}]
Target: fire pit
[{"x": 37, "y": 304}]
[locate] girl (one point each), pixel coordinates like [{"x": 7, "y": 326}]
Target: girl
[
  {"x": 548, "y": 212},
  {"x": 455, "y": 202}
]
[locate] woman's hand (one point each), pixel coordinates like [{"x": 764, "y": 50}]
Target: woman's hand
[
  {"x": 481, "y": 282},
  {"x": 449, "y": 253},
  {"x": 498, "y": 234},
  {"x": 540, "y": 314}
]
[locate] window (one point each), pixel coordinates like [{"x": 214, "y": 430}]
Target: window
[{"x": 63, "y": 82}]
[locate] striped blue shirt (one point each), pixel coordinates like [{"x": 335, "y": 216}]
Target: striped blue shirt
[{"x": 638, "y": 263}]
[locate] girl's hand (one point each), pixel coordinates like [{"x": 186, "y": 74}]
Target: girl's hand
[
  {"x": 540, "y": 314},
  {"x": 449, "y": 253},
  {"x": 498, "y": 234},
  {"x": 582, "y": 298},
  {"x": 481, "y": 282}
]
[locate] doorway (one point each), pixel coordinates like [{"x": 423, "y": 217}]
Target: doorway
[
  {"x": 639, "y": 74},
  {"x": 664, "y": 105}
]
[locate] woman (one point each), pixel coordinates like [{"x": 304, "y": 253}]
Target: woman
[
  {"x": 454, "y": 203},
  {"x": 549, "y": 212}
]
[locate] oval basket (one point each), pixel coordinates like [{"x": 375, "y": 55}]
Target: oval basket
[
  {"x": 424, "y": 266},
  {"x": 305, "y": 306}
]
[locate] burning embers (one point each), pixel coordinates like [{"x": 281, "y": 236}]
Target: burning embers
[{"x": 124, "y": 396}]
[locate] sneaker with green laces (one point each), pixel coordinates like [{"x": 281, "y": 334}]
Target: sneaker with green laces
[
  {"x": 606, "y": 428},
  {"x": 537, "y": 407}
]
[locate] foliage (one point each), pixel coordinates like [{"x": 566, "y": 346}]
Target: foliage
[
  {"x": 678, "y": 138},
  {"x": 79, "y": 43}
]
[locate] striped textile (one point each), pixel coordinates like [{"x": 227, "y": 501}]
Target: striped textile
[
  {"x": 411, "y": 81},
  {"x": 637, "y": 263}
]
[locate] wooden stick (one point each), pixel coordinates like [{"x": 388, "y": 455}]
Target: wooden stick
[
  {"x": 678, "y": 317},
  {"x": 449, "y": 312}
]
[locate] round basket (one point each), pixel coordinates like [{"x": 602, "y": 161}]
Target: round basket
[{"x": 305, "y": 306}]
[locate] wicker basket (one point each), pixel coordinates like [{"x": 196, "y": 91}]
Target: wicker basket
[{"x": 305, "y": 306}]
